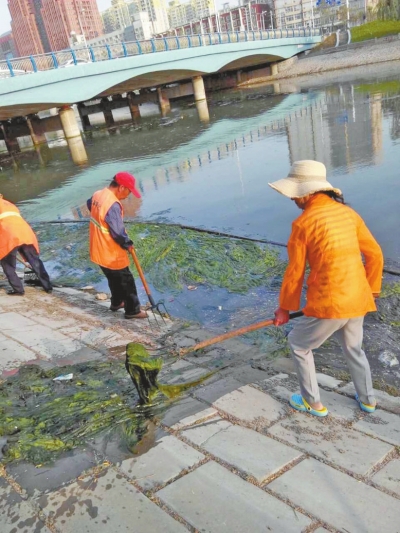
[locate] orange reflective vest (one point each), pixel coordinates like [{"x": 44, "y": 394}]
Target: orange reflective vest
[
  {"x": 331, "y": 237},
  {"x": 104, "y": 251},
  {"x": 14, "y": 230}
]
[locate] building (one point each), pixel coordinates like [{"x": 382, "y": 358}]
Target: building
[
  {"x": 180, "y": 13},
  {"x": 27, "y": 28},
  {"x": 156, "y": 10},
  {"x": 41, "y": 26},
  {"x": 142, "y": 26},
  {"x": 7, "y": 46},
  {"x": 117, "y": 17}
]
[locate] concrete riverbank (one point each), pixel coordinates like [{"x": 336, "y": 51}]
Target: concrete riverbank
[
  {"x": 227, "y": 455},
  {"x": 336, "y": 59}
]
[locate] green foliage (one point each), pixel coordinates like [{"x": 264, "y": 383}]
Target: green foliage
[
  {"x": 390, "y": 289},
  {"x": 385, "y": 87},
  {"x": 378, "y": 28}
]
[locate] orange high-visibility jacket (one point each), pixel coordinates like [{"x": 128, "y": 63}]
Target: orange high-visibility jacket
[
  {"x": 104, "y": 251},
  {"x": 14, "y": 230},
  {"x": 331, "y": 237}
]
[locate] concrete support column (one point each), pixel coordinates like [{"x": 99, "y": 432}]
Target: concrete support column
[
  {"x": 239, "y": 76},
  {"x": 10, "y": 140},
  {"x": 133, "y": 108},
  {"x": 274, "y": 69},
  {"x": 108, "y": 116},
  {"x": 37, "y": 130},
  {"x": 163, "y": 102},
  {"x": 84, "y": 116},
  {"x": 198, "y": 88},
  {"x": 73, "y": 135}
]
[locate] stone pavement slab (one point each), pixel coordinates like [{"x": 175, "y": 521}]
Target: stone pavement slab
[
  {"x": 16, "y": 515},
  {"x": 211, "y": 392},
  {"x": 201, "y": 433},
  {"x": 389, "y": 476},
  {"x": 14, "y": 321},
  {"x": 12, "y": 354},
  {"x": 338, "y": 499},
  {"x": 381, "y": 424},
  {"x": 183, "y": 409},
  {"x": 35, "y": 479},
  {"x": 162, "y": 463},
  {"x": 321, "y": 530},
  {"x": 329, "y": 440},
  {"x": 105, "y": 504},
  {"x": 384, "y": 400},
  {"x": 191, "y": 420},
  {"x": 249, "y": 451},
  {"x": 213, "y": 500},
  {"x": 250, "y": 405},
  {"x": 328, "y": 381}
]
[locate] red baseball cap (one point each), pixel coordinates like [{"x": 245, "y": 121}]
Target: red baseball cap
[{"x": 128, "y": 181}]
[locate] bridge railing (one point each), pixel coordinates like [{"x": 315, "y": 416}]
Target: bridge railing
[{"x": 91, "y": 54}]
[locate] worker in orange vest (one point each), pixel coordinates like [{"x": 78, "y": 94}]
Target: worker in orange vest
[
  {"x": 16, "y": 236},
  {"x": 109, "y": 243},
  {"x": 331, "y": 238}
]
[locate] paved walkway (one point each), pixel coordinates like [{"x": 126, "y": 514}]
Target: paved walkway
[{"x": 229, "y": 456}]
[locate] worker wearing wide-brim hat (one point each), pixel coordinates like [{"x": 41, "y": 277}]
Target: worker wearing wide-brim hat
[{"x": 331, "y": 238}]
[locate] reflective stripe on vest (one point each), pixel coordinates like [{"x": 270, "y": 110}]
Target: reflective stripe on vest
[
  {"x": 9, "y": 214},
  {"x": 99, "y": 226}
]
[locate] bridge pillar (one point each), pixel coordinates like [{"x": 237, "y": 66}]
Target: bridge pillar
[
  {"x": 84, "y": 116},
  {"x": 133, "y": 108},
  {"x": 37, "y": 130},
  {"x": 10, "y": 140},
  {"x": 274, "y": 69},
  {"x": 107, "y": 112},
  {"x": 163, "y": 102},
  {"x": 73, "y": 135},
  {"x": 198, "y": 88}
]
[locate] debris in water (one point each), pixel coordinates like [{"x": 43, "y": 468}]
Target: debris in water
[
  {"x": 144, "y": 370},
  {"x": 101, "y": 296},
  {"x": 192, "y": 287},
  {"x": 388, "y": 359},
  {"x": 87, "y": 288},
  {"x": 64, "y": 377}
]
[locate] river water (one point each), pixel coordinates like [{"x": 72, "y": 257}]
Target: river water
[{"x": 216, "y": 175}]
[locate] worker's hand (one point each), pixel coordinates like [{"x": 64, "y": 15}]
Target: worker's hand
[
  {"x": 281, "y": 317},
  {"x": 376, "y": 295}
]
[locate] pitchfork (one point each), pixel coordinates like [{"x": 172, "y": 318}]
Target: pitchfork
[{"x": 153, "y": 305}]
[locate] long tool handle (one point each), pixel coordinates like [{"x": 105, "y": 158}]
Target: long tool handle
[
  {"x": 235, "y": 333},
  {"x": 141, "y": 274}
]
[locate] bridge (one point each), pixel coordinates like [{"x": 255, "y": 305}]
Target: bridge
[{"x": 38, "y": 83}]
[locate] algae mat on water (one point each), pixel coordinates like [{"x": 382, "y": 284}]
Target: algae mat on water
[{"x": 171, "y": 257}]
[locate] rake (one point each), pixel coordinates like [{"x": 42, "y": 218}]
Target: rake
[
  {"x": 153, "y": 305},
  {"x": 234, "y": 333}
]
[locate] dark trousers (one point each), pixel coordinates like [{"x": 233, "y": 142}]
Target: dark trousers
[
  {"x": 123, "y": 289},
  {"x": 28, "y": 252}
]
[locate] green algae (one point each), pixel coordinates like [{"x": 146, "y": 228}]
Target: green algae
[{"x": 144, "y": 369}]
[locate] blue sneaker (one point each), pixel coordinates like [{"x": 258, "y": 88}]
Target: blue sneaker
[
  {"x": 298, "y": 402},
  {"x": 364, "y": 406}
]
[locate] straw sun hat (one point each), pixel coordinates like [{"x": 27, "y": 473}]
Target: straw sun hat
[{"x": 305, "y": 177}]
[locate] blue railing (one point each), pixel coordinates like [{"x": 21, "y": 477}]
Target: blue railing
[{"x": 92, "y": 54}]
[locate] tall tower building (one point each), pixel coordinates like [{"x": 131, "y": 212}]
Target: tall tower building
[
  {"x": 61, "y": 17},
  {"x": 157, "y": 11},
  {"x": 27, "y": 27},
  {"x": 116, "y": 17}
]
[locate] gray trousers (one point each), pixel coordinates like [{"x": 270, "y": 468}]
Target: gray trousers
[{"x": 309, "y": 333}]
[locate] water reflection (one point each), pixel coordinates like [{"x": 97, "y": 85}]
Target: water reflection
[{"x": 216, "y": 174}]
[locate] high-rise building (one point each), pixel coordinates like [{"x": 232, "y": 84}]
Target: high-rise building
[
  {"x": 44, "y": 25},
  {"x": 7, "y": 46},
  {"x": 116, "y": 17},
  {"x": 24, "y": 24},
  {"x": 61, "y": 17},
  {"x": 156, "y": 10},
  {"x": 180, "y": 13}
]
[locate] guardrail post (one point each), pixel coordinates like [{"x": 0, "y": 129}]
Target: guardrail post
[
  {"x": 54, "y": 58},
  {"x": 108, "y": 51},
  {"x": 34, "y": 66},
  {"x": 166, "y": 43},
  {"x": 91, "y": 52},
  {"x": 139, "y": 46},
  {"x": 153, "y": 45},
  {"x": 200, "y": 40},
  {"x": 189, "y": 41},
  {"x": 229, "y": 36},
  {"x": 219, "y": 38},
  {"x": 73, "y": 56},
  {"x": 10, "y": 68},
  {"x": 254, "y": 35},
  {"x": 124, "y": 49},
  {"x": 245, "y": 36},
  {"x": 178, "y": 43}
]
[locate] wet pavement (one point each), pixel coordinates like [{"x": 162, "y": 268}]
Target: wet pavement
[{"x": 227, "y": 454}]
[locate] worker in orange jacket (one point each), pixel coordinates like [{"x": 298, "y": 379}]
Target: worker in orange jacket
[
  {"x": 16, "y": 236},
  {"x": 109, "y": 243},
  {"x": 331, "y": 238}
]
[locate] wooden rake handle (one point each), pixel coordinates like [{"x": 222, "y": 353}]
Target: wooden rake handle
[
  {"x": 141, "y": 274},
  {"x": 234, "y": 333}
]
